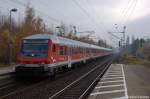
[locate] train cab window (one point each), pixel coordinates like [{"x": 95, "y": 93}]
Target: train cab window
[{"x": 54, "y": 48}]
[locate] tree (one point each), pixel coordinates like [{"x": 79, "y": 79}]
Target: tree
[
  {"x": 134, "y": 47},
  {"x": 102, "y": 43},
  {"x": 39, "y": 25},
  {"x": 62, "y": 30},
  {"x": 128, "y": 40},
  {"x": 145, "y": 51},
  {"x": 4, "y": 47}
]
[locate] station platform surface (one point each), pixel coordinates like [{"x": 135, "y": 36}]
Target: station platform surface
[
  {"x": 7, "y": 69},
  {"x": 123, "y": 82}
]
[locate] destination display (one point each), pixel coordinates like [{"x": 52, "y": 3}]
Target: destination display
[{"x": 35, "y": 41}]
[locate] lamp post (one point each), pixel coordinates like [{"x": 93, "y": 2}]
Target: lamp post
[{"x": 10, "y": 36}]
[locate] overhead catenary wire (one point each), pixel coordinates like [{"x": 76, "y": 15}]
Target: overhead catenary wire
[
  {"x": 41, "y": 13},
  {"x": 98, "y": 17},
  {"x": 123, "y": 10},
  {"x": 100, "y": 20},
  {"x": 53, "y": 19},
  {"x": 83, "y": 11},
  {"x": 90, "y": 17},
  {"x": 99, "y": 25},
  {"x": 126, "y": 13},
  {"x": 131, "y": 12},
  {"x": 126, "y": 9},
  {"x": 93, "y": 10},
  {"x": 57, "y": 10},
  {"x": 87, "y": 14}
]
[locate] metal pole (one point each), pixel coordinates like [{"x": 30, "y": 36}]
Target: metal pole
[
  {"x": 9, "y": 41},
  {"x": 55, "y": 32},
  {"x": 124, "y": 38}
]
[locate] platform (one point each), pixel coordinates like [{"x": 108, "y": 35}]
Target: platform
[
  {"x": 123, "y": 82},
  {"x": 8, "y": 69}
]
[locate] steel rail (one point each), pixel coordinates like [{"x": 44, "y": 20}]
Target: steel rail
[
  {"x": 76, "y": 81},
  {"x": 86, "y": 92},
  {"x": 9, "y": 73}
]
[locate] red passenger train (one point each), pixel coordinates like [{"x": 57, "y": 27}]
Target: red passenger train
[{"x": 46, "y": 54}]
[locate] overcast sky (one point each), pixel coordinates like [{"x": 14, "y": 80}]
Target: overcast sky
[{"x": 98, "y": 15}]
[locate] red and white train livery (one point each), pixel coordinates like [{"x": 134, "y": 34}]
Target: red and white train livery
[{"x": 45, "y": 53}]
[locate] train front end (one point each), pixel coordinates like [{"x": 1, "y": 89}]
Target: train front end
[{"x": 33, "y": 57}]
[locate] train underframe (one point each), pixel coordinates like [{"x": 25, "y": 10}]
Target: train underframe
[{"x": 37, "y": 70}]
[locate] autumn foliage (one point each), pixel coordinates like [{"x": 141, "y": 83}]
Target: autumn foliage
[{"x": 30, "y": 25}]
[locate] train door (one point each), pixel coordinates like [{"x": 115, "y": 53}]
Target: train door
[
  {"x": 54, "y": 53},
  {"x": 62, "y": 53},
  {"x": 84, "y": 55},
  {"x": 69, "y": 56}
]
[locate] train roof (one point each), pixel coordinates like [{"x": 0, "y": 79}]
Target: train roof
[{"x": 65, "y": 41}]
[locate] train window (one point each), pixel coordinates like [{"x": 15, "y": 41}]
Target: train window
[
  {"x": 62, "y": 50},
  {"x": 78, "y": 50},
  {"x": 72, "y": 50},
  {"x": 65, "y": 50},
  {"x": 54, "y": 48},
  {"x": 81, "y": 50},
  {"x": 87, "y": 51},
  {"x": 75, "y": 50}
]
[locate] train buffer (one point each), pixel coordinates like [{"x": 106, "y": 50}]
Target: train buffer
[{"x": 123, "y": 82}]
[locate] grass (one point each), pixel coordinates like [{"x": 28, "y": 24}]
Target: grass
[{"x": 129, "y": 59}]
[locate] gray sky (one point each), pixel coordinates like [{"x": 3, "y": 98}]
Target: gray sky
[{"x": 97, "y": 15}]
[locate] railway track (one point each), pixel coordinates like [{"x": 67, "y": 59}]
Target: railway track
[
  {"x": 6, "y": 81},
  {"x": 50, "y": 87},
  {"x": 9, "y": 83},
  {"x": 79, "y": 88},
  {"x": 5, "y": 74}
]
